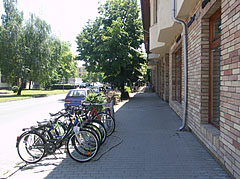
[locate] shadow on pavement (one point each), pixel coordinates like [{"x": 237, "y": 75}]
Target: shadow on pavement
[{"x": 146, "y": 144}]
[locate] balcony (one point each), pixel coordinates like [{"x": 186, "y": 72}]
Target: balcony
[
  {"x": 168, "y": 29},
  {"x": 153, "y": 40}
]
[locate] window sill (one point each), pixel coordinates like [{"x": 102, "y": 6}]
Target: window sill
[{"x": 211, "y": 133}]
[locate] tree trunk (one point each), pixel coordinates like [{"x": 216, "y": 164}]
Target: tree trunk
[
  {"x": 124, "y": 94},
  {"x": 19, "y": 91},
  {"x": 21, "y": 88},
  {"x": 30, "y": 82}
]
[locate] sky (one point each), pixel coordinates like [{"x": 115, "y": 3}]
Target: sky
[{"x": 66, "y": 17}]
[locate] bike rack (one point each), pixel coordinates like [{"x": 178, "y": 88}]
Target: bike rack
[{"x": 107, "y": 105}]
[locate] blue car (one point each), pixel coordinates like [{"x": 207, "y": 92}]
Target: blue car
[{"x": 76, "y": 96}]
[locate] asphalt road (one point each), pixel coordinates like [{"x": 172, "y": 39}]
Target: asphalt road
[{"x": 17, "y": 115}]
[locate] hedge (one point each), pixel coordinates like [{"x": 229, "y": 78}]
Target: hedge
[{"x": 60, "y": 86}]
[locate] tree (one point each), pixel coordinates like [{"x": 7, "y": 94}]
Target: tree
[
  {"x": 11, "y": 43},
  {"x": 67, "y": 66},
  {"x": 111, "y": 43},
  {"x": 29, "y": 52},
  {"x": 37, "y": 50},
  {"x": 92, "y": 77}
]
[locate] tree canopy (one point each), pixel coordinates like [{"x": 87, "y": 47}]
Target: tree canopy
[
  {"x": 29, "y": 50},
  {"x": 111, "y": 44}
]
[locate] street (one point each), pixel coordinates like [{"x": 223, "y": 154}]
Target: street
[{"x": 21, "y": 114}]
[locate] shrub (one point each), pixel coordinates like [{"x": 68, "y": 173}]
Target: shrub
[
  {"x": 94, "y": 98},
  {"x": 127, "y": 89},
  {"x": 113, "y": 95},
  {"x": 15, "y": 89},
  {"x": 62, "y": 86}
]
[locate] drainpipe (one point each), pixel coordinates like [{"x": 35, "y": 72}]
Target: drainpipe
[{"x": 184, "y": 35}]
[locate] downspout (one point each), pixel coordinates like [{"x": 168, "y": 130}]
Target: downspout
[{"x": 185, "y": 59}]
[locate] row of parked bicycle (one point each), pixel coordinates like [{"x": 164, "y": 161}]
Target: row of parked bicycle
[{"x": 82, "y": 129}]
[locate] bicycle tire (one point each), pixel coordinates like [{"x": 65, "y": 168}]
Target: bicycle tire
[
  {"x": 82, "y": 147},
  {"x": 108, "y": 122},
  {"x": 100, "y": 128},
  {"x": 31, "y": 147}
]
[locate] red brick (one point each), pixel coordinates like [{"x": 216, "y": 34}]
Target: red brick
[
  {"x": 236, "y": 144},
  {"x": 233, "y": 53},
  {"x": 234, "y": 131},
  {"x": 228, "y": 61},
  {"x": 237, "y": 34},
  {"x": 227, "y": 116},
  {"x": 235, "y": 59},
  {"x": 235, "y": 96},
  {"x": 230, "y": 123},
  {"x": 228, "y": 72},
  {"x": 233, "y": 65},
  {"x": 236, "y": 120}
]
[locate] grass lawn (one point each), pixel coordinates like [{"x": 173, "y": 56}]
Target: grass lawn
[{"x": 6, "y": 95}]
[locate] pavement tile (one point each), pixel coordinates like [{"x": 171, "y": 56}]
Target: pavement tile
[{"x": 146, "y": 144}]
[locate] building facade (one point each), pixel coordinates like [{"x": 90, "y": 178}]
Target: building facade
[
  {"x": 198, "y": 71},
  {"x": 81, "y": 70},
  {"x": 3, "y": 83}
]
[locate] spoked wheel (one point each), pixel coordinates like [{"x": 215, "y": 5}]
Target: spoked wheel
[
  {"x": 108, "y": 122},
  {"x": 83, "y": 146},
  {"x": 99, "y": 128},
  {"x": 31, "y": 147}
]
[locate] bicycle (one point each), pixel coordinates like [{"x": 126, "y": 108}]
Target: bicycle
[
  {"x": 90, "y": 123},
  {"x": 107, "y": 120},
  {"x": 82, "y": 143}
]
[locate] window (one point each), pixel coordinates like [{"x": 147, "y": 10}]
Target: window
[
  {"x": 2, "y": 80},
  {"x": 79, "y": 70},
  {"x": 214, "y": 68},
  {"x": 177, "y": 76},
  {"x": 154, "y": 12}
]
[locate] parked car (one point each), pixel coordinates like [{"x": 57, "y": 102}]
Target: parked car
[
  {"x": 76, "y": 96},
  {"x": 96, "y": 89}
]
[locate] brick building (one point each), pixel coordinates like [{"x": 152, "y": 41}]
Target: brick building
[{"x": 194, "y": 52}]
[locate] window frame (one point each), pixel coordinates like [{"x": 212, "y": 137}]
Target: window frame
[
  {"x": 214, "y": 42},
  {"x": 178, "y": 64}
]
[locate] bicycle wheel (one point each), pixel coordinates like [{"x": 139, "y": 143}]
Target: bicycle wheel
[
  {"x": 31, "y": 147},
  {"x": 83, "y": 146},
  {"x": 108, "y": 122},
  {"x": 44, "y": 130},
  {"x": 99, "y": 127}
]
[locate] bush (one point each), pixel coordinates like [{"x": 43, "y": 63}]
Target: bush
[
  {"x": 15, "y": 89},
  {"x": 114, "y": 95},
  {"x": 62, "y": 86},
  {"x": 127, "y": 89},
  {"x": 93, "y": 98}
]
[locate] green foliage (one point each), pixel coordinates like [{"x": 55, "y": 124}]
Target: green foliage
[
  {"x": 111, "y": 43},
  {"x": 96, "y": 98},
  {"x": 15, "y": 89},
  {"x": 62, "y": 86},
  {"x": 30, "y": 52},
  {"x": 92, "y": 77},
  {"x": 127, "y": 89}
]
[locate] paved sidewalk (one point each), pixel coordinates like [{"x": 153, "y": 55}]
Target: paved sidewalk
[{"x": 147, "y": 145}]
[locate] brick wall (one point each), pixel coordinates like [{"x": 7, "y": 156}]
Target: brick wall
[
  {"x": 163, "y": 76},
  {"x": 224, "y": 142},
  {"x": 166, "y": 77},
  {"x": 196, "y": 84},
  {"x": 230, "y": 85},
  {"x": 176, "y": 106}
]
